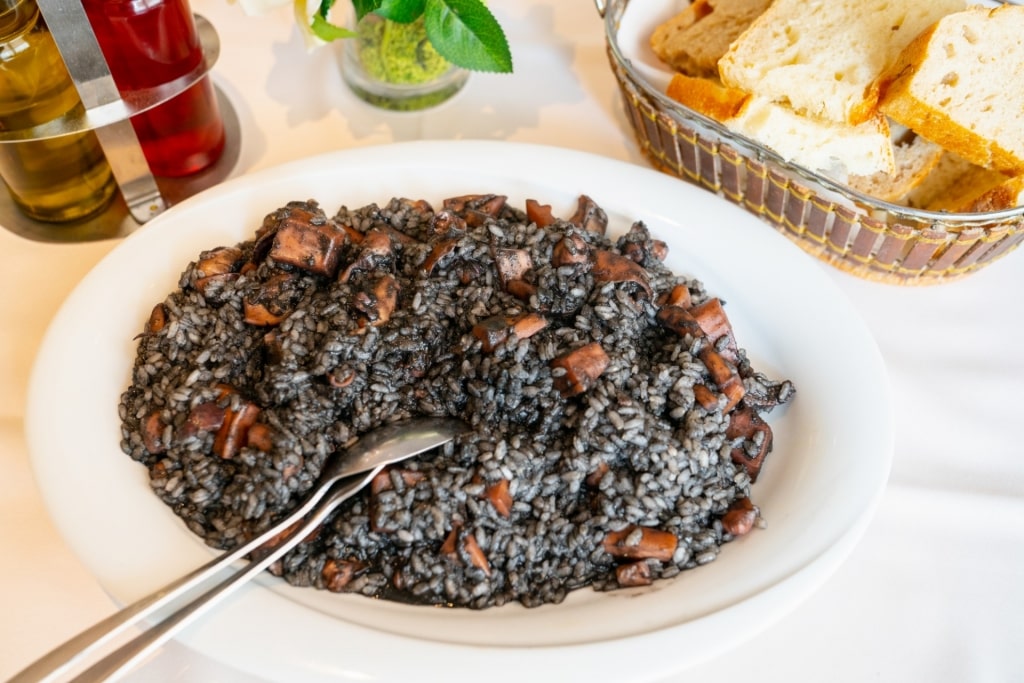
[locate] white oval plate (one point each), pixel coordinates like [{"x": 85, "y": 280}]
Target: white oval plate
[{"x": 831, "y": 460}]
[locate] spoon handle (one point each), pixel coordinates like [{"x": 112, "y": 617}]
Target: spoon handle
[
  {"x": 126, "y": 656},
  {"x": 61, "y": 658},
  {"x": 374, "y": 451}
]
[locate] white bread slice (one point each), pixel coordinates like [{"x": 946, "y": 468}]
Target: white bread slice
[
  {"x": 822, "y": 57},
  {"x": 915, "y": 159},
  {"x": 1007, "y": 194},
  {"x": 961, "y": 84},
  {"x": 957, "y": 185},
  {"x": 831, "y": 148},
  {"x": 694, "y": 40},
  {"x": 939, "y": 181}
]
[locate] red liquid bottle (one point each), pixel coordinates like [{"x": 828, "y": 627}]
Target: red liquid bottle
[{"x": 148, "y": 43}]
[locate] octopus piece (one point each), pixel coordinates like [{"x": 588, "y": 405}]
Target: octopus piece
[
  {"x": 261, "y": 437},
  {"x": 219, "y": 261},
  {"x": 385, "y": 479},
  {"x": 570, "y": 250},
  {"x": 539, "y": 214},
  {"x": 495, "y": 330},
  {"x": 590, "y": 216},
  {"x": 376, "y": 252},
  {"x": 477, "y": 209},
  {"x": 677, "y": 296},
  {"x": 678, "y": 320},
  {"x": 207, "y": 416},
  {"x": 724, "y": 375},
  {"x": 612, "y": 267},
  {"x": 309, "y": 242},
  {"x": 232, "y": 435},
  {"x": 305, "y": 211},
  {"x": 521, "y": 289},
  {"x": 634, "y": 574},
  {"x": 272, "y": 302},
  {"x": 217, "y": 265},
  {"x": 705, "y": 397},
  {"x": 447, "y": 223},
  {"x": 582, "y": 368},
  {"x": 470, "y": 547},
  {"x": 739, "y": 519},
  {"x": 341, "y": 377},
  {"x": 715, "y": 324},
  {"x": 337, "y": 574},
  {"x": 641, "y": 542},
  {"x": 512, "y": 264},
  {"x": 153, "y": 433},
  {"x": 438, "y": 252},
  {"x": 157, "y": 319},
  {"x": 500, "y": 498},
  {"x": 378, "y": 304},
  {"x": 756, "y": 440},
  {"x": 638, "y": 246}
]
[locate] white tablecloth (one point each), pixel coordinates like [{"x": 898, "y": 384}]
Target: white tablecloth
[{"x": 934, "y": 592}]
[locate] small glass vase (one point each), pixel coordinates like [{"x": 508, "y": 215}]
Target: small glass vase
[{"x": 393, "y": 66}]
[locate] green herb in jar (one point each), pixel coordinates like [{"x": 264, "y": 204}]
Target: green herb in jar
[
  {"x": 463, "y": 32},
  {"x": 398, "y": 53}
]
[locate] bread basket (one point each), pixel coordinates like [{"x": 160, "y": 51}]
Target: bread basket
[{"x": 856, "y": 233}]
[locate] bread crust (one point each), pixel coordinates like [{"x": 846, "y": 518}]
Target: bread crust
[
  {"x": 898, "y": 100},
  {"x": 693, "y": 41},
  {"x": 707, "y": 97},
  {"x": 1004, "y": 196}
]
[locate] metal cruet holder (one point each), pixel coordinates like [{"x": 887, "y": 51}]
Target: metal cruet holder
[{"x": 107, "y": 113}]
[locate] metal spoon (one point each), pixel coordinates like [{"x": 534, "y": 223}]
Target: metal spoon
[{"x": 368, "y": 456}]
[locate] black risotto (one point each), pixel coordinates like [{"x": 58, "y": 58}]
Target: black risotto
[{"x": 617, "y": 426}]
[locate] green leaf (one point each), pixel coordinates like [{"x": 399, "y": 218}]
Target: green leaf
[
  {"x": 364, "y": 7},
  {"x": 325, "y": 7},
  {"x": 325, "y": 30},
  {"x": 466, "y": 34},
  {"x": 401, "y": 11}
]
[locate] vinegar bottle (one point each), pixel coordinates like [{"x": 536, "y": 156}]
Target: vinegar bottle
[
  {"x": 53, "y": 179},
  {"x": 148, "y": 43}
]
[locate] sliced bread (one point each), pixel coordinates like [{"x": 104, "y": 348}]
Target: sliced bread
[
  {"x": 1007, "y": 194},
  {"x": 960, "y": 84},
  {"x": 956, "y": 184},
  {"x": 831, "y": 148},
  {"x": 822, "y": 57},
  {"x": 915, "y": 159},
  {"x": 707, "y": 96},
  {"x": 694, "y": 40}
]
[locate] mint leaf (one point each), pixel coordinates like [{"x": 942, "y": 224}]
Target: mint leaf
[
  {"x": 402, "y": 11},
  {"x": 364, "y": 7},
  {"x": 466, "y": 34},
  {"x": 325, "y": 30}
]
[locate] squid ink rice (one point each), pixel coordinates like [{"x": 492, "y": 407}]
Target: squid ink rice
[{"x": 617, "y": 426}]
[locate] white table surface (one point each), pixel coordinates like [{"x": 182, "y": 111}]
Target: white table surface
[{"x": 934, "y": 591}]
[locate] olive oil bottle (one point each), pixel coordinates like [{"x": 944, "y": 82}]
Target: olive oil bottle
[{"x": 56, "y": 179}]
